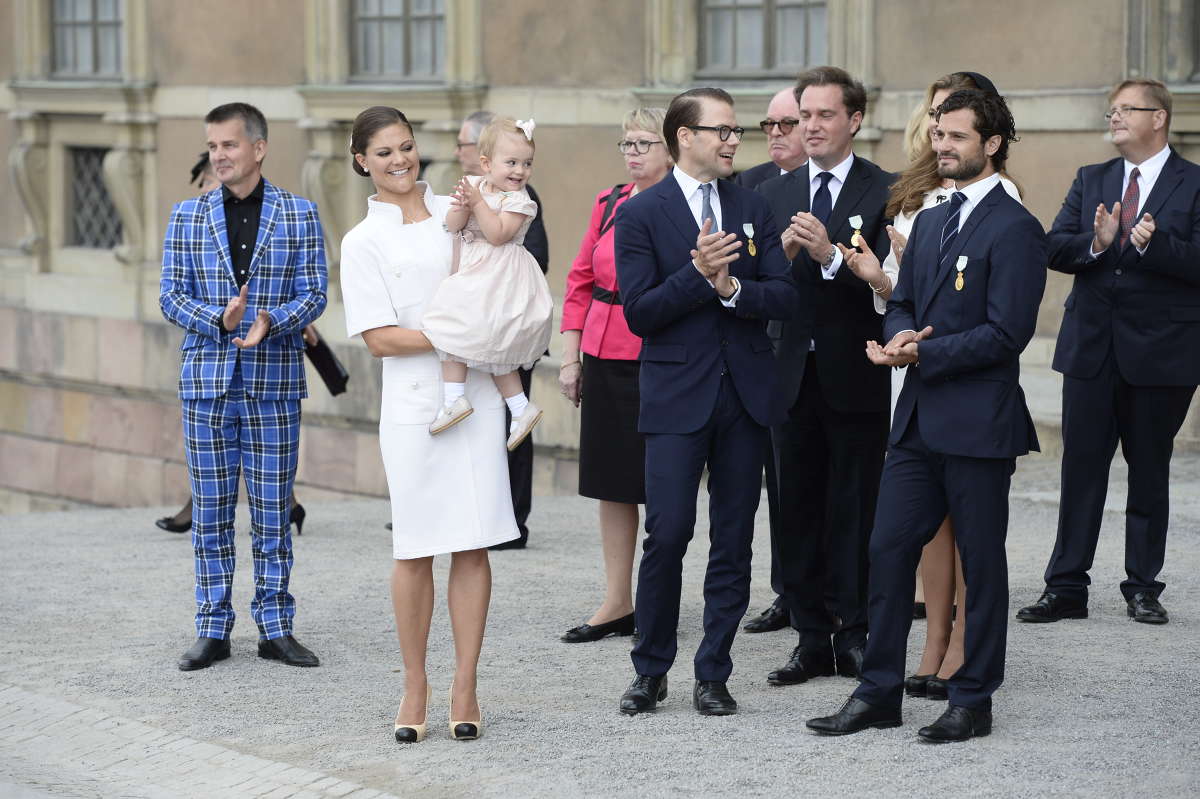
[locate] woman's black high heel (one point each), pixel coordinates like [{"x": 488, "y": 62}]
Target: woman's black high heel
[
  {"x": 179, "y": 523},
  {"x": 297, "y": 518}
]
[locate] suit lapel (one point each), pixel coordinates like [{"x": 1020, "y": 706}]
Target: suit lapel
[
  {"x": 266, "y": 225},
  {"x": 978, "y": 214},
  {"x": 803, "y": 189},
  {"x": 858, "y": 180},
  {"x": 676, "y": 209},
  {"x": 1168, "y": 180},
  {"x": 731, "y": 221},
  {"x": 216, "y": 229},
  {"x": 1111, "y": 188}
]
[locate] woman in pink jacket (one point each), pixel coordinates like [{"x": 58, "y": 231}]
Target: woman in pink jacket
[{"x": 599, "y": 373}]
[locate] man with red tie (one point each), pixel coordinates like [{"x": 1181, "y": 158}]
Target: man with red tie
[{"x": 1129, "y": 231}]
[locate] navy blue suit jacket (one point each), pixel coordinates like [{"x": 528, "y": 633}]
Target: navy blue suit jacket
[
  {"x": 687, "y": 334},
  {"x": 1146, "y": 308},
  {"x": 965, "y": 390},
  {"x": 839, "y": 314}
]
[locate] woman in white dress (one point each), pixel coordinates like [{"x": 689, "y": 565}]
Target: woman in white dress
[
  {"x": 920, "y": 187},
  {"x": 449, "y": 494}
]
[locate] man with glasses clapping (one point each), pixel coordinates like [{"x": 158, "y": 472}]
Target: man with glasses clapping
[{"x": 1129, "y": 231}]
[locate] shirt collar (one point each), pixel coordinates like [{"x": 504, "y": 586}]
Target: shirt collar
[
  {"x": 979, "y": 189},
  {"x": 839, "y": 172},
  {"x": 688, "y": 183},
  {"x": 254, "y": 196},
  {"x": 1149, "y": 168}
]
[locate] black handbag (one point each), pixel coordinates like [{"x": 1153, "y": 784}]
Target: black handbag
[{"x": 327, "y": 365}]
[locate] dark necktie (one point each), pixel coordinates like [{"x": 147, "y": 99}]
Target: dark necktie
[
  {"x": 706, "y": 211},
  {"x": 950, "y": 229},
  {"x": 1129, "y": 205},
  {"x": 822, "y": 204}
]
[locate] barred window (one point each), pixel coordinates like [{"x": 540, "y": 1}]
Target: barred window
[
  {"x": 94, "y": 219},
  {"x": 403, "y": 39},
  {"x": 87, "y": 38},
  {"x": 745, "y": 38}
]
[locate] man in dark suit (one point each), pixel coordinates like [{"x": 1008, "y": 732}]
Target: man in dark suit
[
  {"x": 829, "y": 450},
  {"x": 1127, "y": 348},
  {"x": 699, "y": 298},
  {"x": 520, "y": 460},
  {"x": 971, "y": 281},
  {"x": 785, "y": 146}
]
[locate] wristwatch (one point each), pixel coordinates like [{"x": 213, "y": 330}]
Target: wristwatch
[{"x": 829, "y": 258}]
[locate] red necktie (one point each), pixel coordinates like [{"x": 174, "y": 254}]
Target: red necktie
[{"x": 1129, "y": 206}]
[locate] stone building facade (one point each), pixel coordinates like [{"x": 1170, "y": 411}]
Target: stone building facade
[{"x": 102, "y": 104}]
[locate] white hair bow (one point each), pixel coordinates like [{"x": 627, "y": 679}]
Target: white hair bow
[{"x": 526, "y": 125}]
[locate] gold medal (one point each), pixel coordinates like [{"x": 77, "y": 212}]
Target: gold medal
[
  {"x": 752, "y": 249},
  {"x": 960, "y": 265},
  {"x": 748, "y": 229},
  {"x": 856, "y": 222},
  {"x": 958, "y": 282}
]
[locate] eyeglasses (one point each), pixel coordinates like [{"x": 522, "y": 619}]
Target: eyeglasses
[
  {"x": 785, "y": 125},
  {"x": 462, "y": 144},
  {"x": 1123, "y": 111},
  {"x": 641, "y": 147},
  {"x": 722, "y": 131}
]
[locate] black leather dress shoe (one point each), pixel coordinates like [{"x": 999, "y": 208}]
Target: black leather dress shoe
[
  {"x": 287, "y": 649},
  {"x": 643, "y": 694},
  {"x": 803, "y": 665},
  {"x": 936, "y": 689},
  {"x": 915, "y": 685},
  {"x": 594, "y": 632},
  {"x": 711, "y": 698},
  {"x": 1052, "y": 607},
  {"x": 204, "y": 653},
  {"x": 855, "y": 716},
  {"x": 1146, "y": 608},
  {"x": 958, "y": 723},
  {"x": 773, "y": 618},
  {"x": 849, "y": 663}
]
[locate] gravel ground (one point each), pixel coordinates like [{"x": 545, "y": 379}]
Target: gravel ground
[{"x": 99, "y": 607}]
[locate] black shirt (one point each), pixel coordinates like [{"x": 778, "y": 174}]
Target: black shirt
[{"x": 241, "y": 225}]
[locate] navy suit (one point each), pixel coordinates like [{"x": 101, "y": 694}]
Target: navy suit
[
  {"x": 829, "y": 448},
  {"x": 1127, "y": 350},
  {"x": 960, "y": 422},
  {"x": 707, "y": 384}
]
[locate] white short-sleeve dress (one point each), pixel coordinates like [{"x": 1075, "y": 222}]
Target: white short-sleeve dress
[{"x": 449, "y": 492}]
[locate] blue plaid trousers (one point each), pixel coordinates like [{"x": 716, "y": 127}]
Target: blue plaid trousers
[{"x": 223, "y": 436}]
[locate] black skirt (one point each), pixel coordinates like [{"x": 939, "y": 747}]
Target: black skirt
[{"x": 612, "y": 453}]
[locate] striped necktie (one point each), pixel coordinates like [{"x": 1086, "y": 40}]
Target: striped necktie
[{"x": 950, "y": 229}]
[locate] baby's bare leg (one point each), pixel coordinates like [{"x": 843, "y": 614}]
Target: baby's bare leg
[{"x": 509, "y": 384}]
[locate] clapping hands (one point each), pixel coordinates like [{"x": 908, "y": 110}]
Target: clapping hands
[
  {"x": 713, "y": 254},
  {"x": 900, "y": 351}
]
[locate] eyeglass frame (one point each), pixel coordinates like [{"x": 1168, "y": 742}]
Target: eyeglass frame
[
  {"x": 1124, "y": 110},
  {"x": 786, "y": 125},
  {"x": 624, "y": 145},
  {"x": 740, "y": 131},
  {"x": 459, "y": 145}
]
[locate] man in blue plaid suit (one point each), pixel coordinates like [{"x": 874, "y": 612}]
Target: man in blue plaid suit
[{"x": 243, "y": 273}]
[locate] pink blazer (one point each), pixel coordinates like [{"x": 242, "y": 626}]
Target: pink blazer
[{"x": 605, "y": 332}]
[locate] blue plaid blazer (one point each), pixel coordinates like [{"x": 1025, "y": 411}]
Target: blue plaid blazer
[{"x": 288, "y": 278}]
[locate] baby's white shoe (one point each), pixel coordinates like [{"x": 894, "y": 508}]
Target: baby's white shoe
[
  {"x": 450, "y": 415},
  {"x": 523, "y": 425}
]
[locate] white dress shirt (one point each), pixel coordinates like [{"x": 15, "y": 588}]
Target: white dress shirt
[
  {"x": 693, "y": 192},
  {"x": 838, "y": 180},
  {"x": 974, "y": 193},
  {"x": 1148, "y": 172}
]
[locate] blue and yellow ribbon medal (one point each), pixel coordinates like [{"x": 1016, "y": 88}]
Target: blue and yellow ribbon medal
[
  {"x": 960, "y": 265},
  {"x": 856, "y": 223},
  {"x": 748, "y": 229}
]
